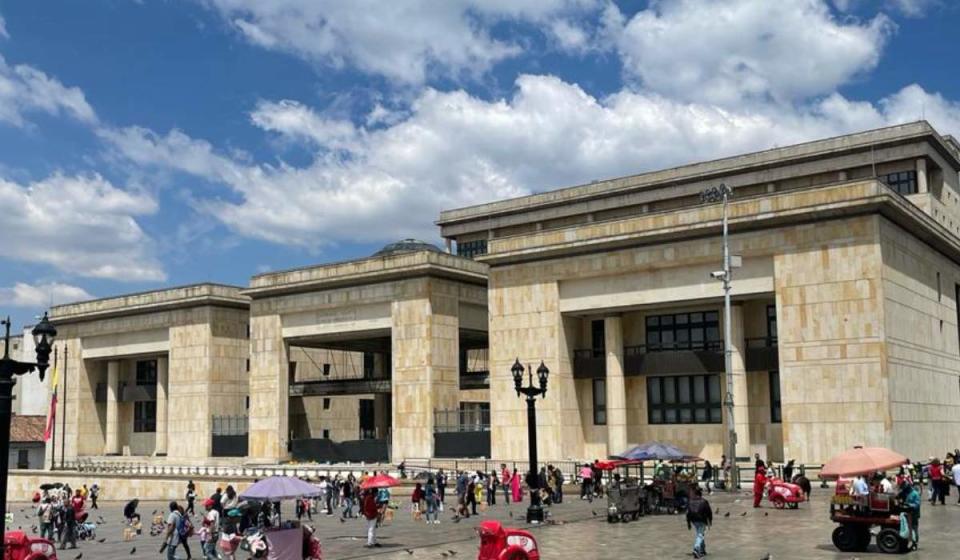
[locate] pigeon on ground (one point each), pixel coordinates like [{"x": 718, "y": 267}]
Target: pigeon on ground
[
  {"x": 133, "y": 551},
  {"x": 766, "y": 513},
  {"x": 452, "y": 552},
  {"x": 594, "y": 513},
  {"x": 744, "y": 514},
  {"x": 408, "y": 551},
  {"x": 101, "y": 541},
  {"x": 767, "y": 556},
  {"x": 78, "y": 556},
  {"x": 510, "y": 513},
  {"x": 727, "y": 514},
  {"x": 444, "y": 554},
  {"x": 718, "y": 511}
]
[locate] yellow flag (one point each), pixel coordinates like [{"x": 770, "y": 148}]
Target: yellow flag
[{"x": 55, "y": 378}]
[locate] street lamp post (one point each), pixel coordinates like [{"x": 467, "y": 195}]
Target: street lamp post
[
  {"x": 43, "y": 335},
  {"x": 723, "y": 194},
  {"x": 535, "y": 511}
]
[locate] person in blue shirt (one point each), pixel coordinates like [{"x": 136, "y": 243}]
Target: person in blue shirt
[{"x": 911, "y": 503}]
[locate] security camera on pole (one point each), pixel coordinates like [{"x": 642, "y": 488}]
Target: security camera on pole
[{"x": 723, "y": 194}]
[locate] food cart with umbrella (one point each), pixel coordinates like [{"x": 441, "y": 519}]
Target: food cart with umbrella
[
  {"x": 668, "y": 492},
  {"x": 626, "y": 496},
  {"x": 289, "y": 540},
  {"x": 857, "y": 515},
  {"x": 381, "y": 482}
]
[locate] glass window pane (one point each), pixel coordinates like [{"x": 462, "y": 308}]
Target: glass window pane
[
  {"x": 686, "y": 416},
  {"x": 715, "y": 415},
  {"x": 714, "y": 388},
  {"x": 696, "y": 317},
  {"x": 701, "y": 415},
  {"x": 683, "y": 390},
  {"x": 669, "y": 390},
  {"x": 599, "y": 393},
  {"x": 681, "y": 318},
  {"x": 666, "y": 320},
  {"x": 666, "y": 338},
  {"x": 653, "y": 391},
  {"x": 699, "y": 390},
  {"x": 711, "y": 317},
  {"x": 653, "y": 321},
  {"x": 656, "y": 416},
  {"x": 671, "y": 416},
  {"x": 653, "y": 338},
  {"x": 683, "y": 337},
  {"x": 713, "y": 334}
]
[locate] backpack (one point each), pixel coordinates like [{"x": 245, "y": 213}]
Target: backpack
[{"x": 184, "y": 527}]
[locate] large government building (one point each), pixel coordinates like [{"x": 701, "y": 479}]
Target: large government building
[{"x": 844, "y": 326}]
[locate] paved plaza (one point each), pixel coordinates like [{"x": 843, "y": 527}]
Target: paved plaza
[{"x": 575, "y": 533}]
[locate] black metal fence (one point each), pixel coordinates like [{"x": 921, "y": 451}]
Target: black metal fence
[
  {"x": 229, "y": 436},
  {"x": 464, "y": 420}
]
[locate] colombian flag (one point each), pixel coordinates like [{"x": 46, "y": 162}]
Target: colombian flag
[{"x": 51, "y": 417}]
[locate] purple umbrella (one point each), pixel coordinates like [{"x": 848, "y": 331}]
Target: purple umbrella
[
  {"x": 280, "y": 488},
  {"x": 653, "y": 450}
]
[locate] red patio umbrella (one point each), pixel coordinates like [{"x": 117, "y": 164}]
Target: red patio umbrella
[
  {"x": 861, "y": 460},
  {"x": 379, "y": 481}
]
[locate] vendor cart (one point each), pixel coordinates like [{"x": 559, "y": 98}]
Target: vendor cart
[{"x": 626, "y": 496}]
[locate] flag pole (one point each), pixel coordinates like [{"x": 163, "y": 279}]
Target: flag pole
[
  {"x": 63, "y": 434},
  {"x": 53, "y": 445}
]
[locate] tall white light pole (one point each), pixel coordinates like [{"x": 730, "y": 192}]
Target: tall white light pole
[{"x": 723, "y": 194}]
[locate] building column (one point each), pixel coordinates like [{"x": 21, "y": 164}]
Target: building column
[
  {"x": 922, "y": 185},
  {"x": 616, "y": 389},
  {"x": 112, "y": 446},
  {"x": 162, "y": 381},
  {"x": 741, "y": 390}
]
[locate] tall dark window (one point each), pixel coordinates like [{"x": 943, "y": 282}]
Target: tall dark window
[
  {"x": 775, "y": 397},
  {"x": 772, "y": 322},
  {"x": 471, "y": 249},
  {"x": 904, "y": 182},
  {"x": 368, "y": 364},
  {"x": 326, "y": 403},
  {"x": 147, "y": 372},
  {"x": 684, "y": 331},
  {"x": 145, "y": 416},
  {"x": 292, "y": 372},
  {"x": 368, "y": 424},
  {"x": 599, "y": 402},
  {"x": 684, "y": 399},
  {"x": 598, "y": 338}
]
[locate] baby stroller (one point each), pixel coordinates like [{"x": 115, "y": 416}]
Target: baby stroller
[{"x": 86, "y": 530}]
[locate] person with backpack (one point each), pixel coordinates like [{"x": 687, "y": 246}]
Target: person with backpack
[
  {"x": 699, "y": 517},
  {"x": 179, "y": 528}
]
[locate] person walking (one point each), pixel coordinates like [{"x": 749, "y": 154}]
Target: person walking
[
  {"x": 699, "y": 517},
  {"x": 441, "y": 487},
  {"x": 492, "y": 482},
  {"x": 505, "y": 482},
  {"x": 937, "y": 481},
  {"x": 210, "y": 531},
  {"x": 955, "y": 473},
  {"x": 347, "y": 493},
  {"x": 515, "y": 488},
  {"x": 431, "y": 498},
  {"x": 68, "y": 526},
  {"x": 94, "y": 494},
  {"x": 759, "y": 482},
  {"x": 911, "y": 502},
  {"x": 171, "y": 536},
  {"x": 558, "y": 481},
  {"x": 45, "y": 513},
  {"x": 191, "y": 497},
  {"x": 724, "y": 471},
  {"x": 371, "y": 512},
  {"x": 707, "y": 476},
  {"x": 586, "y": 483}
]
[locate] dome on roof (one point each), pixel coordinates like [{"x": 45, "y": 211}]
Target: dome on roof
[{"x": 406, "y": 246}]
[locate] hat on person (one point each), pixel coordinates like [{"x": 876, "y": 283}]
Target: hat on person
[{"x": 208, "y": 503}]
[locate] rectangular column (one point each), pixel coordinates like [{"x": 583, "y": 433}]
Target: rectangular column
[
  {"x": 922, "y": 185},
  {"x": 741, "y": 391},
  {"x": 616, "y": 389},
  {"x": 162, "y": 380},
  {"x": 112, "y": 446},
  {"x": 269, "y": 390}
]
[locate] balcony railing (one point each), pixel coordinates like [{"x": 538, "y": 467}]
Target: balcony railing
[
  {"x": 133, "y": 393},
  {"x": 589, "y": 364},
  {"x": 474, "y": 380},
  {"x": 333, "y": 386},
  {"x": 468, "y": 420},
  {"x": 762, "y": 354}
]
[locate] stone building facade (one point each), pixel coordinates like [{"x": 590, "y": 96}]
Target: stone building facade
[
  {"x": 844, "y": 325},
  {"x": 845, "y": 307}
]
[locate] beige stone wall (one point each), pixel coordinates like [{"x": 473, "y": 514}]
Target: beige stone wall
[
  {"x": 342, "y": 418},
  {"x": 269, "y": 389},
  {"x": 920, "y": 324},
  {"x": 834, "y": 383}
]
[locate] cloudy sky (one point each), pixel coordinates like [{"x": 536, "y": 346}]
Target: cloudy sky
[{"x": 157, "y": 143}]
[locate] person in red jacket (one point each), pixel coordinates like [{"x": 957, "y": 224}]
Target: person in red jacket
[
  {"x": 77, "y": 502},
  {"x": 937, "y": 483},
  {"x": 759, "y": 482},
  {"x": 371, "y": 511}
]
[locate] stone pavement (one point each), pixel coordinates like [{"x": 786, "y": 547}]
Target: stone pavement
[{"x": 576, "y": 534}]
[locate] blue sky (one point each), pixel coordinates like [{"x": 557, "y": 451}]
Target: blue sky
[{"x": 158, "y": 143}]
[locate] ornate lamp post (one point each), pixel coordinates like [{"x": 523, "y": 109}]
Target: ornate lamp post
[
  {"x": 535, "y": 511},
  {"x": 43, "y": 335}
]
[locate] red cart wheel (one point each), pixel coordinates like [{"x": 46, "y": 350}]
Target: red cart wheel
[{"x": 778, "y": 501}]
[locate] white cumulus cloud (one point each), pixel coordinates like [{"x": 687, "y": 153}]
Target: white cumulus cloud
[
  {"x": 730, "y": 51},
  {"x": 405, "y": 41},
  {"x": 80, "y": 224},
  {"x": 24, "y": 89},
  {"x": 41, "y": 296}
]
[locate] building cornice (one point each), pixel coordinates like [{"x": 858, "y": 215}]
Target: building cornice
[
  {"x": 182, "y": 297},
  {"x": 367, "y": 271},
  {"x": 748, "y": 214}
]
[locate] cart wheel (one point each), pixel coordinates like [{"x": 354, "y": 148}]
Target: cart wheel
[
  {"x": 624, "y": 518},
  {"x": 863, "y": 538},
  {"x": 888, "y": 541},
  {"x": 611, "y": 519},
  {"x": 778, "y": 502},
  {"x": 636, "y": 515},
  {"x": 844, "y": 538}
]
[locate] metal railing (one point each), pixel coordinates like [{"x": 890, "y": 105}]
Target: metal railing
[
  {"x": 467, "y": 420},
  {"x": 230, "y": 425},
  {"x": 687, "y": 346}
]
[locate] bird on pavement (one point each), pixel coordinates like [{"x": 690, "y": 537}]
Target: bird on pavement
[
  {"x": 452, "y": 552},
  {"x": 744, "y": 514},
  {"x": 133, "y": 551},
  {"x": 101, "y": 541},
  {"x": 408, "y": 551},
  {"x": 78, "y": 556},
  {"x": 766, "y": 514},
  {"x": 727, "y": 514}
]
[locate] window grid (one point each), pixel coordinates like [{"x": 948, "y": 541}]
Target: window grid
[
  {"x": 698, "y": 330},
  {"x": 144, "y": 416},
  {"x": 903, "y": 182},
  {"x": 684, "y": 399},
  {"x": 147, "y": 372},
  {"x": 775, "y": 412},
  {"x": 471, "y": 249}
]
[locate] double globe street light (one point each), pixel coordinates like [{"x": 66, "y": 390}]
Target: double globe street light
[
  {"x": 44, "y": 334},
  {"x": 535, "y": 511}
]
